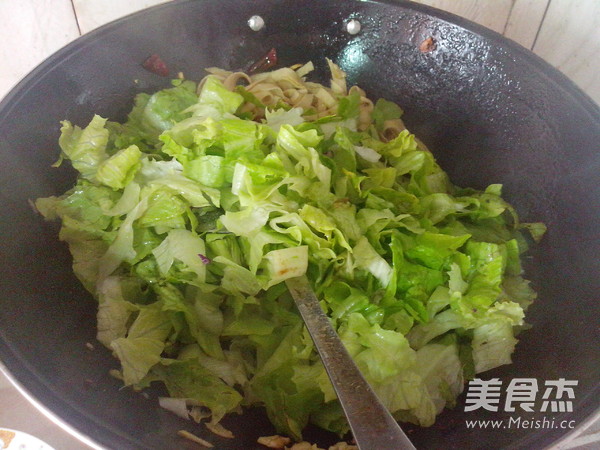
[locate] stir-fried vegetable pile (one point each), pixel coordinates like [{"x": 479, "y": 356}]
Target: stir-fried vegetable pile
[{"x": 185, "y": 220}]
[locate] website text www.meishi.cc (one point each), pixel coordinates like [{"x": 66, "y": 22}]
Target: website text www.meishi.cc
[
  {"x": 521, "y": 396},
  {"x": 522, "y": 423}
]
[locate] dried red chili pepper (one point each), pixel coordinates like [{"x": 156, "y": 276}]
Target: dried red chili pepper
[
  {"x": 264, "y": 63},
  {"x": 156, "y": 65},
  {"x": 428, "y": 45}
]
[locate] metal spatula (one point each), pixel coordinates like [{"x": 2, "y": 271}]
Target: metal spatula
[{"x": 372, "y": 425}]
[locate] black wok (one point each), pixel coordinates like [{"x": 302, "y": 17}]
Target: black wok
[{"x": 491, "y": 112}]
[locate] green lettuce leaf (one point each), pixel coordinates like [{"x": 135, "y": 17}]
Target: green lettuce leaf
[
  {"x": 385, "y": 110},
  {"x": 190, "y": 380},
  {"x": 118, "y": 170},
  {"x": 85, "y": 148}
]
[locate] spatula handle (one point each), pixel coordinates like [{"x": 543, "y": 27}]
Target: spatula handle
[{"x": 372, "y": 425}]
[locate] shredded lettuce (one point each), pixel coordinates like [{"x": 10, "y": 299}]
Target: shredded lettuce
[{"x": 187, "y": 218}]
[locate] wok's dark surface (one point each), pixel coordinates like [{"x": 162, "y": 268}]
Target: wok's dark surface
[{"x": 490, "y": 111}]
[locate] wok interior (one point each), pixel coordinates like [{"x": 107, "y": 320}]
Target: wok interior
[{"x": 490, "y": 112}]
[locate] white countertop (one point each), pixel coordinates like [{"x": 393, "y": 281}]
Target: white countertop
[{"x": 18, "y": 414}]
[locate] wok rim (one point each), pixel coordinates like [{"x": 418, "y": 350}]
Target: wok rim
[
  {"x": 63, "y": 54},
  {"x": 555, "y": 75}
]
